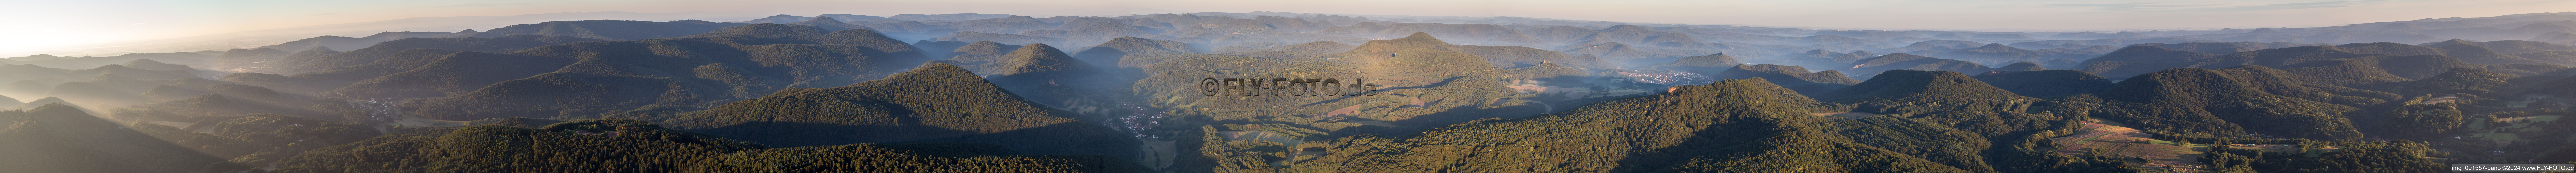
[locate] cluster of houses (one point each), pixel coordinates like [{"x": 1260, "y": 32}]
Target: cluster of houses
[{"x": 1137, "y": 122}]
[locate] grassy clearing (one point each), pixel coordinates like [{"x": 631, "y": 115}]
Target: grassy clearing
[
  {"x": 2523, "y": 124},
  {"x": 1844, "y": 115},
  {"x": 2496, "y": 136},
  {"x": 2504, "y": 130},
  {"x": 2112, "y": 140}
]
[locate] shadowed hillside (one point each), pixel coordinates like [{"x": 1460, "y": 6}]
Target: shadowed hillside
[
  {"x": 2215, "y": 102},
  {"x": 729, "y": 64},
  {"x": 58, "y": 138},
  {"x": 643, "y": 147},
  {"x": 934, "y": 103}
]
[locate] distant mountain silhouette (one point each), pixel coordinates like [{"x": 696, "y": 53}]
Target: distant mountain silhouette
[
  {"x": 2022, "y": 66},
  {"x": 2046, "y": 83},
  {"x": 1273, "y": 50},
  {"x": 2001, "y": 51},
  {"x": 848, "y": 17},
  {"x": 1903, "y": 61},
  {"x": 1003, "y": 38},
  {"x": 450, "y": 74},
  {"x": 1112, "y": 52},
  {"x": 780, "y": 19},
  {"x": 324, "y": 41},
  {"x": 1010, "y": 24},
  {"x": 244, "y": 58},
  {"x": 149, "y": 64},
  {"x": 1703, "y": 64},
  {"x": 2473, "y": 52},
  {"x": 1376, "y": 50},
  {"x": 1792, "y": 77},
  {"x": 609, "y": 29},
  {"x": 982, "y": 56},
  {"x": 1822, "y": 57},
  {"x": 397, "y": 55},
  {"x": 1044, "y": 74},
  {"x": 2225, "y": 47},
  {"x": 2556, "y": 37},
  {"x": 730, "y": 64},
  {"x": 828, "y": 23},
  {"x": 938, "y": 49},
  {"x": 954, "y": 17},
  {"x": 2328, "y": 65}
]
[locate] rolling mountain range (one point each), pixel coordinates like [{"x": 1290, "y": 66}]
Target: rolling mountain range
[{"x": 1297, "y": 92}]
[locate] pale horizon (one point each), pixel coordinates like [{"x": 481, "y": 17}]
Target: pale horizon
[{"x": 60, "y": 24}]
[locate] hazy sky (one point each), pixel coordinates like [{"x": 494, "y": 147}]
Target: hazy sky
[{"x": 33, "y": 24}]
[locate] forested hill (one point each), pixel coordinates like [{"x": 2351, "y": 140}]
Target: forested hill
[
  {"x": 59, "y": 138},
  {"x": 934, "y": 103},
  {"x": 621, "y": 145},
  {"x": 729, "y": 64},
  {"x": 1730, "y": 126}
]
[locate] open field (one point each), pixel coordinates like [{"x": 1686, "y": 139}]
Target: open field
[
  {"x": 1282, "y": 139},
  {"x": 1159, "y": 153},
  {"x": 2443, "y": 99},
  {"x": 2503, "y": 130},
  {"x": 1844, "y": 115},
  {"x": 2119, "y": 141},
  {"x": 2522, "y": 124}
]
